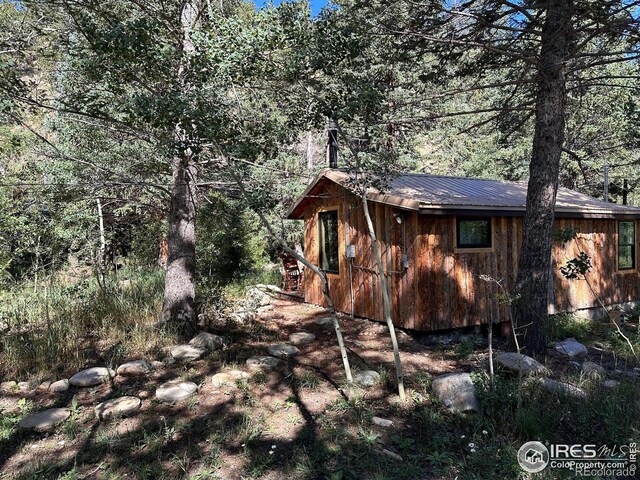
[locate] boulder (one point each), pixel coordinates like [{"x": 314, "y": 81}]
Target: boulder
[
  {"x": 381, "y": 422},
  {"x": 44, "y": 386},
  {"x": 208, "y": 341},
  {"x": 518, "y": 363},
  {"x": 44, "y": 420},
  {"x": 611, "y": 383},
  {"x": 561, "y": 388},
  {"x": 282, "y": 350},
  {"x": 168, "y": 361},
  {"x": 120, "y": 407},
  {"x": 228, "y": 378},
  {"x": 175, "y": 391},
  {"x": 134, "y": 368},
  {"x": 593, "y": 371},
  {"x": 59, "y": 386},
  {"x": 301, "y": 338},
  {"x": 263, "y": 362},
  {"x": 367, "y": 378},
  {"x": 8, "y": 386},
  {"x": 242, "y": 316},
  {"x": 257, "y": 298},
  {"x": 571, "y": 348},
  {"x": 324, "y": 321},
  {"x": 456, "y": 392},
  {"x": 186, "y": 353},
  {"x": 92, "y": 376}
]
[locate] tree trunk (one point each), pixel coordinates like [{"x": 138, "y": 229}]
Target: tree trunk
[
  {"x": 531, "y": 305},
  {"x": 103, "y": 245},
  {"x": 179, "y": 288}
]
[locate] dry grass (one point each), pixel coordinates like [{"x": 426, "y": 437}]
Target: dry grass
[{"x": 58, "y": 328}]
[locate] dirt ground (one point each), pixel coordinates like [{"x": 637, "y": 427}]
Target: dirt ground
[{"x": 279, "y": 424}]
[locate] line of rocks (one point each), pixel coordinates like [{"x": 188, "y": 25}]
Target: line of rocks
[{"x": 457, "y": 393}]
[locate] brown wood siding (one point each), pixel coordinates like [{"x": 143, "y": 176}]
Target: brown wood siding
[{"x": 441, "y": 287}]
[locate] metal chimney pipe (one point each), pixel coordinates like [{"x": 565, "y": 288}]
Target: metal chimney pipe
[
  {"x": 332, "y": 144},
  {"x": 606, "y": 182}
]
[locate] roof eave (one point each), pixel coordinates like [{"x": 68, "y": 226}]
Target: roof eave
[{"x": 514, "y": 211}]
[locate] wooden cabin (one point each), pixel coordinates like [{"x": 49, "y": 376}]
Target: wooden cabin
[{"x": 438, "y": 234}]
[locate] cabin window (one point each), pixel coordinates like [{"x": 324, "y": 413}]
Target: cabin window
[
  {"x": 473, "y": 232},
  {"x": 328, "y": 223},
  {"x": 626, "y": 246}
]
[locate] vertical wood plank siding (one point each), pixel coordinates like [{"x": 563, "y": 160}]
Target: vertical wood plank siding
[{"x": 441, "y": 287}]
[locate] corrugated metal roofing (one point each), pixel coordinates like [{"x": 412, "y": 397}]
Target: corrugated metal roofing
[{"x": 434, "y": 192}]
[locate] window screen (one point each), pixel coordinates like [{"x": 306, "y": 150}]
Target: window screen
[
  {"x": 328, "y": 224},
  {"x": 626, "y": 246},
  {"x": 473, "y": 232}
]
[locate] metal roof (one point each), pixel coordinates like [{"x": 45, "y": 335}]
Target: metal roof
[{"x": 446, "y": 194}]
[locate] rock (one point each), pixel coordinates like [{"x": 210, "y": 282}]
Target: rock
[
  {"x": 301, "y": 338},
  {"x": 257, "y": 297},
  {"x": 208, "y": 341},
  {"x": 270, "y": 287},
  {"x": 8, "y": 386},
  {"x": 561, "y": 388},
  {"x": 283, "y": 350},
  {"x": 611, "y": 383},
  {"x": 24, "y": 386},
  {"x": 186, "y": 353},
  {"x": 121, "y": 407},
  {"x": 59, "y": 386},
  {"x": 456, "y": 392},
  {"x": 593, "y": 370},
  {"x": 175, "y": 391},
  {"x": 143, "y": 394},
  {"x": 44, "y": 420},
  {"x": 91, "y": 376},
  {"x": 571, "y": 348},
  {"x": 156, "y": 365},
  {"x": 518, "y": 363},
  {"x": 263, "y": 361},
  {"x": 382, "y": 422},
  {"x": 44, "y": 386},
  {"x": 324, "y": 321},
  {"x": 391, "y": 454},
  {"x": 367, "y": 378},
  {"x": 134, "y": 368},
  {"x": 242, "y": 316},
  {"x": 167, "y": 361},
  {"x": 228, "y": 378}
]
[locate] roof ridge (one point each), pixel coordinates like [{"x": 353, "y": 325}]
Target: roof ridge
[{"x": 413, "y": 174}]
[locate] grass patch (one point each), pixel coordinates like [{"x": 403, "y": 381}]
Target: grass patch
[
  {"x": 567, "y": 325},
  {"x": 51, "y": 332}
]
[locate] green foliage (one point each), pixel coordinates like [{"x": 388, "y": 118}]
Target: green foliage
[
  {"x": 232, "y": 244},
  {"x": 567, "y": 325},
  {"x": 564, "y": 235},
  {"x": 45, "y": 330},
  {"x": 577, "y": 267}
]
